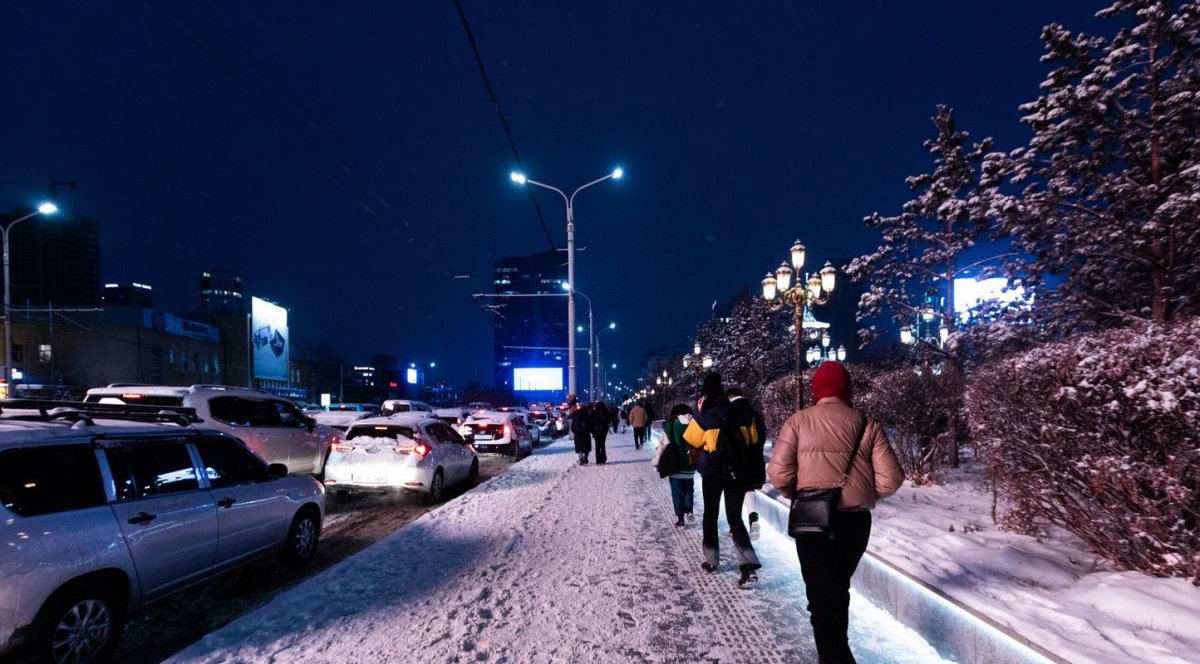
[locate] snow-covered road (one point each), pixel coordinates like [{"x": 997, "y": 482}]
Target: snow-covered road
[{"x": 551, "y": 562}]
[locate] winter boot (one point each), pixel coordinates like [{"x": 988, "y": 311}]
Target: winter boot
[{"x": 748, "y": 576}]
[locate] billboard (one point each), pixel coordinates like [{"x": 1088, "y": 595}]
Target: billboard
[
  {"x": 537, "y": 379},
  {"x": 969, "y": 293},
  {"x": 269, "y": 339},
  {"x": 162, "y": 321}
]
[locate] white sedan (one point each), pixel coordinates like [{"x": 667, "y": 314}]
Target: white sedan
[
  {"x": 410, "y": 452},
  {"x": 502, "y": 432}
]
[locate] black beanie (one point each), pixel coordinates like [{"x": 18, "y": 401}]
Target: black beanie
[{"x": 712, "y": 388}]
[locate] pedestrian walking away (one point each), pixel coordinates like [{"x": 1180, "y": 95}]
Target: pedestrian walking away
[
  {"x": 614, "y": 417},
  {"x": 581, "y": 430},
  {"x": 755, "y": 438},
  {"x": 673, "y": 459},
  {"x": 623, "y": 413},
  {"x": 725, "y": 465},
  {"x": 812, "y": 452},
  {"x": 638, "y": 420},
  {"x": 599, "y": 424}
]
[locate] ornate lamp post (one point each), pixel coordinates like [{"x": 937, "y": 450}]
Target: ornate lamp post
[{"x": 802, "y": 295}]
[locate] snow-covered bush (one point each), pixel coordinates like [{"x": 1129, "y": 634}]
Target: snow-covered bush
[
  {"x": 1100, "y": 435},
  {"x": 918, "y": 408}
]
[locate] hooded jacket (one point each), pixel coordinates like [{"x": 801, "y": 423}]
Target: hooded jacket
[
  {"x": 637, "y": 416},
  {"x": 812, "y": 449},
  {"x": 702, "y": 433}
]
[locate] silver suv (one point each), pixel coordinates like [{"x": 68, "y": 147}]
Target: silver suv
[
  {"x": 272, "y": 426},
  {"x": 101, "y": 516}
]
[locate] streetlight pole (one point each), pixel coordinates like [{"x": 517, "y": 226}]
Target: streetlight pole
[
  {"x": 43, "y": 209},
  {"x": 803, "y": 295},
  {"x": 599, "y": 362},
  {"x": 520, "y": 178},
  {"x": 591, "y": 346}
]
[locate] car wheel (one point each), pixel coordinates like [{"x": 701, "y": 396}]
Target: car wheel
[
  {"x": 473, "y": 474},
  {"x": 79, "y": 625},
  {"x": 436, "y": 487},
  {"x": 301, "y": 543}
]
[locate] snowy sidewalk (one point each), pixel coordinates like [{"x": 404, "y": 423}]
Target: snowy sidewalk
[{"x": 551, "y": 562}]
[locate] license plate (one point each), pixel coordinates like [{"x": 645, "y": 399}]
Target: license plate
[
  {"x": 369, "y": 479},
  {"x": 483, "y": 436}
]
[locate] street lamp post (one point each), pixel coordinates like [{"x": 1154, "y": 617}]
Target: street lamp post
[
  {"x": 601, "y": 373},
  {"x": 520, "y": 178},
  {"x": 591, "y": 347},
  {"x": 43, "y": 209},
  {"x": 802, "y": 295}
]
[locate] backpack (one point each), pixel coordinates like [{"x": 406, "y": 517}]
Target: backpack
[{"x": 740, "y": 446}]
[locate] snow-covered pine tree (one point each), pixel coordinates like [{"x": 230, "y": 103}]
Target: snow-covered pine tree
[
  {"x": 923, "y": 246},
  {"x": 1111, "y": 177},
  {"x": 752, "y": 345}
]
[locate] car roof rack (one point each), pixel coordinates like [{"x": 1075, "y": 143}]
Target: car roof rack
[{"x": 87, "y": 411}]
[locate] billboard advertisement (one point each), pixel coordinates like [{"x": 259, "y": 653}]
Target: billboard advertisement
[
  {"x": 537, "y": 379},
  {"x": 269, "y": 339},
  {"x": 970, "y": 293}
]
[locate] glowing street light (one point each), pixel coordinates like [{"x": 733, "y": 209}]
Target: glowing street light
[
  {"x": 521, "y": 179},
  {"x": 803, "y": 295},
  {"x": 45, "y": 209}
]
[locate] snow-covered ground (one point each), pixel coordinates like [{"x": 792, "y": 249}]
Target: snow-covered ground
[
  {"x": 1050, "y": 589},
  {"x": 552, "y": 562}
]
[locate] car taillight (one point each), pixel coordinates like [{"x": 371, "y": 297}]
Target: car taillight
[
  {"x": 422, "y": 449},
  {"x": 507, "y": 431},
  {"x": 342, "y": 447},
  {"x": 131, "y": 396}
]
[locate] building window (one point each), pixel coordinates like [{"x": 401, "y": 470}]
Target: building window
[
  {"x": 171, "y": 357},
  {"x": 18, "y": 353},
  {"x": 44, "y": 353}
]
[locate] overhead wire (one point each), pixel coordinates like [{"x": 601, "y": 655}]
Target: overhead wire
[{"x": 491, "y": 91}]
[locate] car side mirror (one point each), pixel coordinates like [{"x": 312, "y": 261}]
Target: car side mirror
[
  {"x": 276, "y": 471},
  {"x": 469, "y": 438},
  {"x": 309, "y": 423}
]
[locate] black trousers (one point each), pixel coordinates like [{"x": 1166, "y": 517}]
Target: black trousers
[
  {"x": 827, "y": 565},
  {"x": 639, "y": 436},
  {"x": 601, "y": 453},
  {"x": 714, "y": 488}
]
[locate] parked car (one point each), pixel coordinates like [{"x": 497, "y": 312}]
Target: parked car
[
  {"x": 339, "y": 419},
  {"x": 452, "y": 416},
  {"x": 393, "y": 406},
  {"x": 504, "y": 433},
  {"x": 523, "y": 413},
  {"x": 103, "y": 516},
  {"x": 274, "y": 427},
  {"x": 410, "y": 452},
  {"x": 544, "y": 422},
  {"x": 371, "y": 408}
]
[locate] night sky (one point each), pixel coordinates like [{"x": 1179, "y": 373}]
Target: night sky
[{"x": 346, "y": 160}]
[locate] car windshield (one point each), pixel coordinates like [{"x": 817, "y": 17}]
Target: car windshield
[{"x": 382, "y": 431}]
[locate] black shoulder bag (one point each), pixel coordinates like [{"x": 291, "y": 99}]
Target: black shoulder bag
[{"x": 812, "y": 509}]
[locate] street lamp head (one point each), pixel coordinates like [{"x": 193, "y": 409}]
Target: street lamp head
[
  {"x": 906, "y": 335},
  {"x": 47, "y": 208},
  {"x": 707, "y": 362},
  {"x": 797, "y": 256},
  {"x": 943, "y": 333},
  {"x": 519, "y": 178},
  {"x": 768, "y": 286},
  {"x": 566, "y": 285},
  {"x": 814, "y": 285},
  {"x": 783, "y": 277},
  {"x": 612, "y": 326},
  {"x": 579, "y": 328},
  {"x": 828, "y": 277},
  {"x": 618, "y": 173},
  {"x": 841, "y": 353},
  {"x": 696, "y": 348},
  {"x": 825, "y": 338}
]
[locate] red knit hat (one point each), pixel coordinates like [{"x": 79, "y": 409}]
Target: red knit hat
[{"x": 831, "y": 380}]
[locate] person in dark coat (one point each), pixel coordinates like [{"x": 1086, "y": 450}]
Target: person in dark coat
[
  {"x": 599, "y": 422},
  {"x": 613, "y": 417},
  {"x": 720, "y": 478},
  {"x": 581, "y": 428}
]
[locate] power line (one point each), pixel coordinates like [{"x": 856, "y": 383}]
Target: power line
[{"x": 512, "y": 143}]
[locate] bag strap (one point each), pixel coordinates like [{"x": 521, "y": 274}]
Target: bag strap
[{"x": 854, "y": 452}]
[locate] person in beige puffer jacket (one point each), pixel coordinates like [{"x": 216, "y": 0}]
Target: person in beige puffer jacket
[{"x": 811, "y": 452}]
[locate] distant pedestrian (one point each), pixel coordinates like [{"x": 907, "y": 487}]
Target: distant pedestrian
[
  {"x": 673, "y": 459},
  {"x": 638, "y": 420},
  {"x": 811, "y": 452},
  {"x": 614, "y": 417},
  {"x": 623, "y": 413},
  {"x": 581, "y": 429},
  {"x": 715, "y": 432},
  {"x": 599, "y": 423}
]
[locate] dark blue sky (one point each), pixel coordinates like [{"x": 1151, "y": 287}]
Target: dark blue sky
[{"x": 255, "y": 136}]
